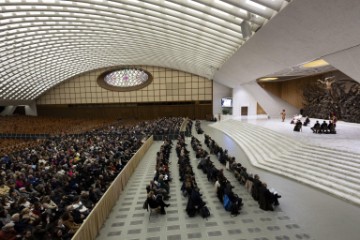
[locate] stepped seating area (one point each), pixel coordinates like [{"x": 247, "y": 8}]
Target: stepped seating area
[
  {"x": 48, "y": 125},
  {"x": 10, "y": 145},
  {"x": 20, "y": 132},
  {"x": 331, "y": 170}
]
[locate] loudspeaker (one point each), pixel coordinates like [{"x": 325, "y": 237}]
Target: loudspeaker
[{"x": 245, "y": 29}]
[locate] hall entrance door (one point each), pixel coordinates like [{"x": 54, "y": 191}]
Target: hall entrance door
[{"x": 244, "y": 111}]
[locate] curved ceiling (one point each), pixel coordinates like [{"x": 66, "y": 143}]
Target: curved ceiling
[
  {"x": 44, "y": 42},
  {"x": 306, "y": 31}
]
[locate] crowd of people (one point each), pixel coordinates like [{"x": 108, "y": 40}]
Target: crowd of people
[
  {"x": 17, "y": 124},
  {"x": 189, "y": 188},
  {"x": 47, "y": 190},
  {"x": 324, "y": 127},
  {"x": 298, "y": 123},
  {"x": 267, "y": 198},
  {"x": 198, "y": 127},
  {"x": 164, "y": 127},
  {"x": 12, "y": 145},
  {"x": 158, "y": 190},
  {"x": 223, "y": 188}
]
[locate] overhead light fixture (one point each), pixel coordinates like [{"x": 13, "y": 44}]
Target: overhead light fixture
[
  {"x": 245, "y": 29},
  {"x": 268, "y": 79},
  {"x": 316, "y": 63}
]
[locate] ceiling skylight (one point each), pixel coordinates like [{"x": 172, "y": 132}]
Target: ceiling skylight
[{"x": 126, "y": 79}]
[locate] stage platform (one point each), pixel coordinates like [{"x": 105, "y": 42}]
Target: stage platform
[
  {"x": 347, "y": 137},
  {"x": 331, "y": 160}
]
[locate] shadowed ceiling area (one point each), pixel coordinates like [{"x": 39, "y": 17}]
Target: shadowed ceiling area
[{"x": 45, "y": 42}]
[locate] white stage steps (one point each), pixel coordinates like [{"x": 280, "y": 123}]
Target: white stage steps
[{"x": 331, "y": 170}]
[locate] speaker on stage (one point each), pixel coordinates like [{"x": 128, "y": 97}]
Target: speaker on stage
[{"x": 245, "y": 29}]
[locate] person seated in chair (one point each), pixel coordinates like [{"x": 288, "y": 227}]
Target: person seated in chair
[
  {"x": 155, "y": 201},
  {"x": 316, "y": 127},
  {"x": 235, "y": 200},
  {"x": 274, "y": 197},
  {"x": 153, "y": 186},
  {"x": 265, "y": 198},
  {"x": 195, "y": 196},
  {"x": 298, "y": 126},
  {"x": 255, "y": 190},
  {"x": 331, "y": 128},
  {"x": 307, "y": 121},
  {"x": 163, "y": 185},
  {"x": 194, "y": 203},
  {"x": 324, "y": 127}
]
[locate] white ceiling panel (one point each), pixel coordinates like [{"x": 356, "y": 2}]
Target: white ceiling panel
[
  {"x": 307, "y": 30},
  {"x": 45, "y": 42}
]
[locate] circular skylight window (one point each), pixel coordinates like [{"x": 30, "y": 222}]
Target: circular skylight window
[{"x": 127, "y": 79}]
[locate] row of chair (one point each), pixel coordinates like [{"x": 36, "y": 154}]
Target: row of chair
[
  {"x": 189, "y": 188},
  {"x": 231, "y": 201}
]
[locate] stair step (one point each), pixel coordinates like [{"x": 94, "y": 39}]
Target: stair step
[{"x": 332, "y": 170}]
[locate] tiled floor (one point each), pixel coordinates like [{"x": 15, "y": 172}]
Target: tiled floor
[{"x": 129, "y": 221}]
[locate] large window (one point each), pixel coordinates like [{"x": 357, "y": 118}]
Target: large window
[{"x": 127, "y": 79}]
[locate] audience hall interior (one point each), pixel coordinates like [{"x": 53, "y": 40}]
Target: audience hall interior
[{"x": 179, "y": 119}]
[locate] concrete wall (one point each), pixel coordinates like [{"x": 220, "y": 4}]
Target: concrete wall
[
  {"x": 250, "y": 94},
  {"x": 31, "y": 109},
  {"x": 243, "y": 98},
  {"x": 219, "y": 91},
  {"x": 8, "y": 110}
]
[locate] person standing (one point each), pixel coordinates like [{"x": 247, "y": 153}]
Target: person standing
[{"x": 283, "y": 115}]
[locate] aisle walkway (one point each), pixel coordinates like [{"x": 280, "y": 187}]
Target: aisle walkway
[
  {"x": 129, "y": 221},
  {"x": 252, "y": 223}
]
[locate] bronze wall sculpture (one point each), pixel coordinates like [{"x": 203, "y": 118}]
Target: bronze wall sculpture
[{"x": 330, "y": 96}]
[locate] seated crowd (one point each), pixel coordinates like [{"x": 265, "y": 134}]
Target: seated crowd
[
  {"x": 164, "y": 126},
  {"x": 198, "y": 127},
  {"x": 46, "y": 191},
  {"x": 223, "y": 188},
  {"x": 324, "y": 127},
  {"x": 189, "y": 127},
  {"x": 266, "y": 198},
  {"x": 189, "y": 188},
  {"x": 158, "y": 190},
  {"x": 298, "y": 124},
  {"x": 13, "y": 145},
  {"x": 49, "y": 125}
]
